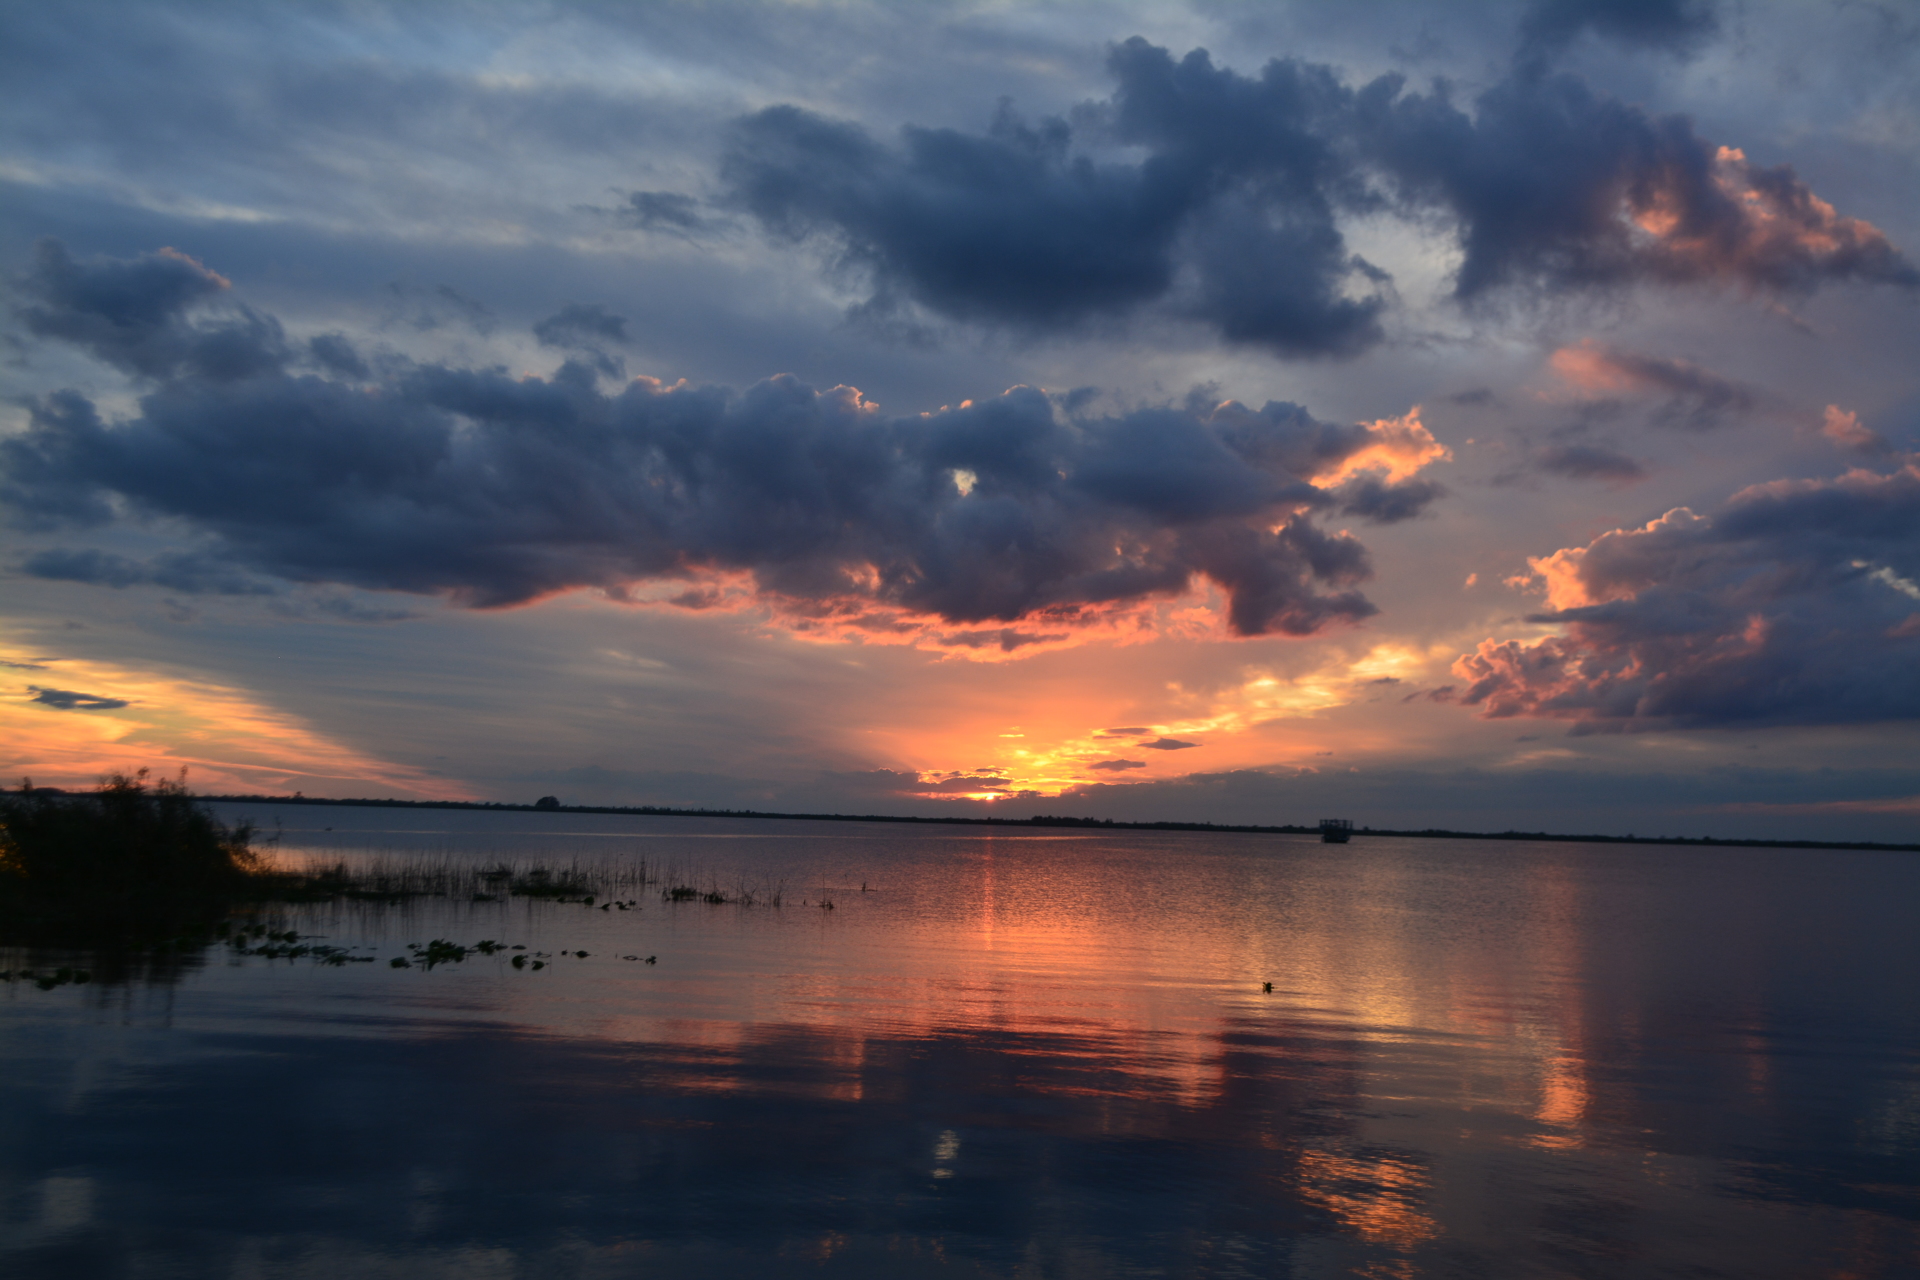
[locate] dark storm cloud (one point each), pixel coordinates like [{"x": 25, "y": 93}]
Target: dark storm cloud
[
  {"x": 1555, "y": 187},
  {"x": 497, "y": 490},
  {"x": 335, "y": 354},
  {"x": 129, "y": 314},
  {"x": 183, "y": 572},
  {"x": 68, "y": 700},
  {"x": 1012, "y": 226},
  {"x": 1371, "y": 498},
  {"x": 1795, "y": 603},
  {"x": 1230, "y": 213}
]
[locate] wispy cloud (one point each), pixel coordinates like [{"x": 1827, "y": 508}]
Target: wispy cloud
[
  {"x": 1694, "y": 397},
  {"x": 229, "y": 739}
]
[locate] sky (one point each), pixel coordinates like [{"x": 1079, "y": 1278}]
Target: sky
[{"x": 1473, "y": 415}]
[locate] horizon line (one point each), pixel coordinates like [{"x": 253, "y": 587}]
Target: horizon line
[{"x": 1049, "y": 820}]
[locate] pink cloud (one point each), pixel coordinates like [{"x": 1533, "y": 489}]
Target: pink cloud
[{"x": 1846, "y": 430}]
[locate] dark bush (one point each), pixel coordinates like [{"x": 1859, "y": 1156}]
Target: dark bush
[{"x": 134, "y": 858}]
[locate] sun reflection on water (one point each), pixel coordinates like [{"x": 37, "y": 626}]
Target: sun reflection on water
[{"x": 1001, "y": 1047}]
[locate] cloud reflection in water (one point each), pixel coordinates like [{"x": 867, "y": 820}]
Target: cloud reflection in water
[{"x": 1026, "y": 1056}]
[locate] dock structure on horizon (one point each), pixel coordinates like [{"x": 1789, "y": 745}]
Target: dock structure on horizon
[{"x": 1336, "y": 830}]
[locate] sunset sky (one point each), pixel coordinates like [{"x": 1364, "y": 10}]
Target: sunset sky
[{"x": 1486, "y": 416}]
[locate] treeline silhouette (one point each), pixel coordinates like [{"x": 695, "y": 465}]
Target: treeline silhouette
[{"x": 1050, "y": 820}]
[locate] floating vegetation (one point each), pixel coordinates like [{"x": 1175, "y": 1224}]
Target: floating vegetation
[
  {"x": 440, "y": 951},
  {"x": 285, "y": 944},
  {"x": 46, "y": 981},
  {"x": 739, "y": 894}
]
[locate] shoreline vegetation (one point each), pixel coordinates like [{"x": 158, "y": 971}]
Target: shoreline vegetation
[
  {"x": 147, "y": 866},
  {"x": 1045, "y": 820}
]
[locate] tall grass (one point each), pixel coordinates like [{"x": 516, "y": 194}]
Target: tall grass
[{"x": 395, "y": 877}]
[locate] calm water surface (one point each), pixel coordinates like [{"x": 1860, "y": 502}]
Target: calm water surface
[{"x": 1039, "y": 1054}]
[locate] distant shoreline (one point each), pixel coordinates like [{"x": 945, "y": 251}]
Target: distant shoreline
[{"x": 1040, "y": 821}]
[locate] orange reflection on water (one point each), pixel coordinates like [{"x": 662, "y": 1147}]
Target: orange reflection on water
[
  {"x": 1468, "y": 1052},
  {"x": 1563, "y": 1102},
  {"x": 1380, "y": 1199}
]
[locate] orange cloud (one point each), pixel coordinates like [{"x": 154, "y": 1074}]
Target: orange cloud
[
  {"x": 66, "y": 722},
  {"x": 1398, "y": 447},
  {"x": 1611, "y": 567},
  {"x": 1780, "y": 235}
]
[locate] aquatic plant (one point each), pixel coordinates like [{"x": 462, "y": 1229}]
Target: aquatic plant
[
  {"x": 46, "y": 981},
  {"x": 399, "y": 877},
  {"x": 286, "y": 944},
  {"x": 739, "y": 894},
  {"x": 439, "y": 951}
]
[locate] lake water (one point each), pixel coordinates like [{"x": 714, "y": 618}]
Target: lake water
[{"x": 1014, "y": 1054}]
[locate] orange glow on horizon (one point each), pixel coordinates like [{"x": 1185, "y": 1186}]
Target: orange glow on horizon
[
  {"x": 1062, "y": 744},
  {"x": 226, "y": 738}
]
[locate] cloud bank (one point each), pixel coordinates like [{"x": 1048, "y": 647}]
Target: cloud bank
[
  {"x": 1795, "y": 603},
  {"x": 496, "y": 490},
  {"x": 1230, "y": 213}
]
